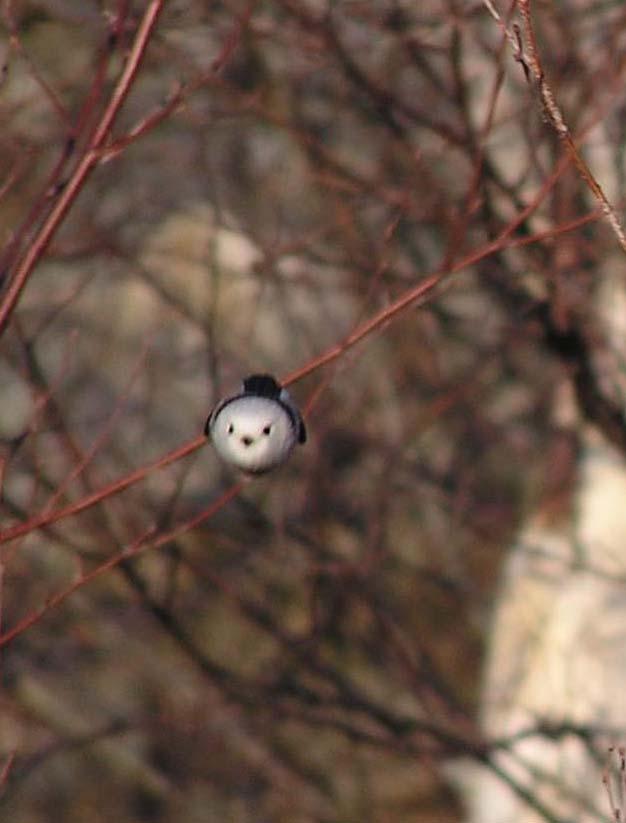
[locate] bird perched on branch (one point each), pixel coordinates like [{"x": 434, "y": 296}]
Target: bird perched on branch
[{"x": 257, "y": 429}]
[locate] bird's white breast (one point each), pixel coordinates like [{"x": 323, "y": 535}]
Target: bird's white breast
[{"x": 253, "y": 433}]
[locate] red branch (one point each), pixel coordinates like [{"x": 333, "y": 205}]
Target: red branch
[{"x": 84, "y": 167}]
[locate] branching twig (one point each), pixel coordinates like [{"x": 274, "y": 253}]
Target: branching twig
[
  {"x": 84, "y": 167},
  {"x": 614, "y": 779},
  {"x": 533, "y": 69},
  {"x": 151, "y": 538}
]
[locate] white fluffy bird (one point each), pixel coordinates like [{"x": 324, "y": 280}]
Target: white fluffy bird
[{"x": 257, "y": 429}]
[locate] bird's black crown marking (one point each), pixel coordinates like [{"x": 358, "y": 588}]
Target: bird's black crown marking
[{"x": 262, "y": 385}]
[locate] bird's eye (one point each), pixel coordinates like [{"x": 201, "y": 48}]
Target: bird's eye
[
  {"x": 231, "y": 428},
  {"x": 267, "y": 430}
]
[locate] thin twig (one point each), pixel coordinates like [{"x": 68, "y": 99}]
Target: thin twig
[
  {"x": 407, "y": 299},
  {"x": 106, "y": 491},
  {"x": 150, "y": 539},
  {"x": 6, "y": 769},
  {"x": 533, "y": 69},
  {"x": 85, "y": 166}
]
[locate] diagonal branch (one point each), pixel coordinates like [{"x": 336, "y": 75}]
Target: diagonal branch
[
  {"x": 533, "y": 69},
  {"x": 84, "y": 167}
]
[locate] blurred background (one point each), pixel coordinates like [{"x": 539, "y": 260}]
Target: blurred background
[{"x": 280, "y": 173}]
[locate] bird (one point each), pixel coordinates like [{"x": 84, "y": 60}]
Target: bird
[{"x": 256, "y": 430}]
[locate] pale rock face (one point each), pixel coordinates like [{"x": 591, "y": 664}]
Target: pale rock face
[
  {"x": 557, "y": 644},
  {"x": 558, "y": 654}
]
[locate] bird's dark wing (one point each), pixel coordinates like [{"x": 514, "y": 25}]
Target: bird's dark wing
[
  {"x": 209, "y": 420},
  {"x": 301, "y": 431},
  {"x": 215, "y": 411}
]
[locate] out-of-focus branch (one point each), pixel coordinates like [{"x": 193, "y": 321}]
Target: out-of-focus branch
[
  {"x": 84, "y": 167},
  {"x": 101, "y": 494},
  {"x": 376, "y": 322},
  {"x": 526, "y": 53},
  {"x": 151, "y": 538}
]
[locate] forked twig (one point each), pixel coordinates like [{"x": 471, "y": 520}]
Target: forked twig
[
  {"x": 614, "y": 779},
  {"x": 526, "y": 53},
  {"x": 85, "y": 166},
  {"x": 150, "y": 539}
]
